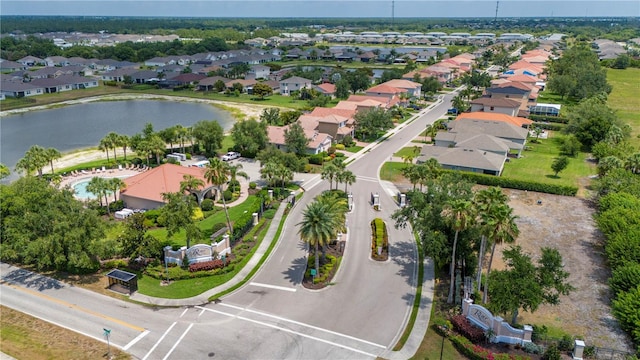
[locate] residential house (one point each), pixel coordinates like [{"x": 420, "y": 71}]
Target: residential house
[
  {"x": 145, "y": 76},
  {"x": 523, "y": 93},
  {"x": 386, "y": 91},
  {"x": 258, "y": 72},
  {"x": 247, "y": 85},
  {"x": 514, "y": 136},
  {"x": 462, "y": 159},
  {"x": 181, "y": 80},
  {"x": 295, "y": 83},
  {"x": 56, "y": 61},
  {"x": 496, "y": 105},
  {"x": 17, "y": 89},
  {"x": 30, "y": 61},
  {"x": 207, "y": 84},
  {"x": 413, "y": 88},
  {"x": 318, "y": 142},
  {"x": 327, "y": 89},
  {"x": 495, "y": 116},
  {"x": 117, "y": 74},
  {"x": 6, "y": 65},
  {"x": 144, "y": 190}
]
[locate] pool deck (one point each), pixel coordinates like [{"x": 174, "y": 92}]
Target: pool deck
[{"x": 71, "y": 180}]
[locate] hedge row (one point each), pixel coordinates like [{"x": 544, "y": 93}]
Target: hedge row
[
  {"x": 547, "y": 118},
  {"x": 491, "y": 180},
  {"x": 209, "y": 265},
  {"x": 548, "y": 126},
  {"x": 477, "y": 352},
  {"x": 245, "y": 221}
]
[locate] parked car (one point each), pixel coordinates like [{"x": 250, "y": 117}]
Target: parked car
[
  {"x": 453, "y": 111},
  {"x": 231, "y": 155}
]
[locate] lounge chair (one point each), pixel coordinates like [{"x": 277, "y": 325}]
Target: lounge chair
[
  {"x": 119, "y": 167},
  {"x": 93, "y": 171},
  {"x": 84, "y": 172},
  {"x": 103, "y": 169}
]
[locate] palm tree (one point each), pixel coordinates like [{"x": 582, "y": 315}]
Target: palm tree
[
  {"x": 459, "y": 214},
  {"x": 52, "y": 154},
  {"x": 348, "y": 178},
  {"x": 114, "y": 142},
  {"x": 190, "y": 183},
  {"x": 632, "y": 163},
  {"x": 124, "y": 142},
  {"x": 484, "y": 201},
  {"x": 116, "y": 184},
  {"x": 318, "y": 226},
  {"x": 34, "y": 159},
  {"x": 157, "y": 147},
  {"x": 428, "y": 170},
  {"x": 181, "y": 133},
  {"x": 284, "y": 174},
  {"x": 217, "y": 173},
  {"x": 234, "y": 172},
  {"x": 502, "y": 228},
  {"x": 99, "y": 187},
  {"x": 269, "y": 172},
  {"x": 105, "y": 145},
  {"x": 412, "y": 174},
  {"x": 329, "y": 172}
]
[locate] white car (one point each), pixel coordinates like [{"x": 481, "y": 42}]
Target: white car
[{"x": 231, "y": 155}]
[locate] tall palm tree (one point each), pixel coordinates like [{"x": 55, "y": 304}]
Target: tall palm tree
[
  {"x": 52, "y": 154},
  {"x": 99, "y": 187},
  {"x": 484, "y": 201},
  {"x": 217, "y": 173},
  {"x": 318, "y": 226},
  {"x": 34, "y": 159},
  {"x": 105, "y": 145},
  {"x": 502, "y": 229},
  {"x": 234, "y": 172},
  {"x": 116, "y": 185},
  {"x": 124, "y": 142},
  {"x": 428, "y": 170},
  {"x": 348, "y": 178},
  {"x": 329, "y": 172},
  {"x": 269, "y": 172},
  {"x": 284, "y": 174},
  {"x": 114, "y": 142},
  {"x": 157, "y": 147},
  {"x": 459, "y": 214},
  {"x": 190, "y": 183}
]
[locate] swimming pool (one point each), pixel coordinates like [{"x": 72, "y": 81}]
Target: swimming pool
[{"x": 80, "y": 189}]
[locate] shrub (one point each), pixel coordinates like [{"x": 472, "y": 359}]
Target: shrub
[
  {"x": 252, "y": 185},
  {"x": 477, "y": 352},
  {"x": 347, "y": 141},
  {"x": 307, "y": 168},
  {"x": 552, "y": 353},
  {"x": 228, "y": 195},
  {"x": 547, "y": 118},
  {"x": 188, "y": 156},
  {"x": 315, "y": 159},
  {"x": 152, "y": 215},
  {"x": 339, "y": 154},
  {"x": 209, "y": 265},
  {"x": 327, "y": 158},
  {"x": 269, "y": 214},
  {"x": 116, "y": 206},
  {"x": 462, "y": 325},
  {"x": 503, "y": 182},
  {"x": 532, "y": 348},
  {"x": 549, "y": 126},
  {"x": 234, "y": 185},
  {"x": 332, "y": 150},
  {"x": 207, "y": 205},
  {"x": 115, "y": 264},
  {"x": 197, "y": 214},
  {"x": 340, "y": 147},
  {"x": 148, "y": 223}
]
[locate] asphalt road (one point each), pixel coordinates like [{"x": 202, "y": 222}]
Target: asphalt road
[{"x": 361, "y": 315}]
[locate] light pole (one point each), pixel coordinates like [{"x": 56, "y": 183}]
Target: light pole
[{"x": 444, "y": 333}]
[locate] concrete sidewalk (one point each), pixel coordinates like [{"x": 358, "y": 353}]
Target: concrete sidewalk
[{"x": 204, "y": 297}]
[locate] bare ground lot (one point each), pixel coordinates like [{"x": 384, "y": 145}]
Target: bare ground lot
[{"x": 566, "y": 223}]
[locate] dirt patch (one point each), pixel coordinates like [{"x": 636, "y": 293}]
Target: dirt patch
[{"x": 567, "y": 224}]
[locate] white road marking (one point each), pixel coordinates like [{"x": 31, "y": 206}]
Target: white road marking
[
  {"x": 134, "y": 341},
  {"x": 184, "y": 312},
  {"x": 159, "y": 341},
  {"x": 298, "y": 333},
  {"x": 201, "y": 312},
  {"x": 273, "y": 286},
  {"x": 177, "y": 342},
  {"x": 366, "y": 178}
]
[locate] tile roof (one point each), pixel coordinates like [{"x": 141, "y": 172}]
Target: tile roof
[
  {"x": 385, "y": 89},
  {"x": 460, "y": 157},
  {"x": 523, "y": 78},
  {"x": 322, "y": 112},
  {"x": 499, "y": 129},
  {"x": 151, "y": 184},
  {"x": 499, "y": 102},
  {"x": 402, "y": 84},
  {"x": 489, "y": 116},
  {"x": 525, "y": 64},
  {"x": 276, "y": 134},
  {"x": 326, "y": 88}
]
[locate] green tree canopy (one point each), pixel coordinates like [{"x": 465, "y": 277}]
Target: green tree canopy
[
  {"x": 295, "y": 139},
  {"x": 370, "y": 122},
  {"x": 578, "y": 74},
  {"x": 249, "y": 136},
  {"x": 209, "y": 134}
]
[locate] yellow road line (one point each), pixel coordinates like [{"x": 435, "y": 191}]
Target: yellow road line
[{"x": 72, "y": 306}]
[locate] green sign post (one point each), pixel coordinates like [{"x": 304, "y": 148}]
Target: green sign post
[{"x": 106, "y": 334}]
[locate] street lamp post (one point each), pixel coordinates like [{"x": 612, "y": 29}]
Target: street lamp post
[
  {"x": 107, "y": 332},
  {"x": 444, "y": 333}
]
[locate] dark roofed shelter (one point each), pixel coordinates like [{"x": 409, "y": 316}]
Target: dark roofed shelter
[{"x": 122, "y": 281}]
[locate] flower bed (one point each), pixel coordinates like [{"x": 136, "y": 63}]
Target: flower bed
[{"x": 379, "y": 240}]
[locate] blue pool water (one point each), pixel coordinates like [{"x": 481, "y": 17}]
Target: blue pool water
[{"x": 80, "y": 189}]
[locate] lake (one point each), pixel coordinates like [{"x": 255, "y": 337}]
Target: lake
[{"x": 81, "y": 126}]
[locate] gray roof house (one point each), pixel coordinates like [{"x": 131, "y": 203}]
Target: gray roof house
[
  {"x": 457, "y": 158},
  {"x": 20, "y": 89},
  {"x": 294, "y": 83}
]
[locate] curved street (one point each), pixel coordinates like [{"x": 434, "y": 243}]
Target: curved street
[{"x": 360, "y": 315}]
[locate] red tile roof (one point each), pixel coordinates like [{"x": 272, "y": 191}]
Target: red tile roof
[
  {"x": 322, "y": 112},
  {"x": 166, "y": 178},
  {"x": 385, "y": 89},
  {"x": 327, "y": 88}
]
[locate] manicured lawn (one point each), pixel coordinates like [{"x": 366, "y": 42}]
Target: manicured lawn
[
  {"x": 354, "y": 149},
  {"x": 204, "y": 225},
  {"x": 408, "y": 151},
  {"x": 547, "y": 97},
  {"x": 191, "y": 287},
  {"x": 624, "y": 99},
  {"x": 392, "y": 171},
  {"x": 227, "y": 143},
  {"x": 26, "y": 337},
  {"x": 536, "y": 164}
]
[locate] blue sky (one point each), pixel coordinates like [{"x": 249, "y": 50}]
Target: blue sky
[{"x": 321, "y": 8}]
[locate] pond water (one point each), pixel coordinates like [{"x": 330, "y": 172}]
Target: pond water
[{"x": 84, "y": 125}]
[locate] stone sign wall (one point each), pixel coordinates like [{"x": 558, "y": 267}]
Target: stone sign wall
[{"x": 501, "y": 330}]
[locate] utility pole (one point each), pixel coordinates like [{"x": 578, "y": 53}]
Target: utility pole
[
  {"x": 496, "y": 18},
  {"x": 393, "y": 12}
]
